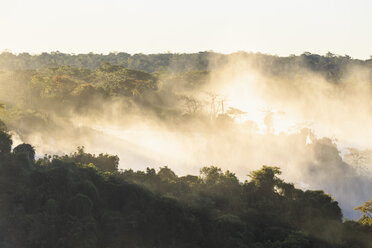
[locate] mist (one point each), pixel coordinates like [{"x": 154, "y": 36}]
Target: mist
[{"x": 239, "y": 116}]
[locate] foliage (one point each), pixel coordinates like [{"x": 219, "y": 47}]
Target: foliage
[
  {"x": 82, "y": 200},
  {"x": 331, "y": 66},
  {"x": 26, "y": 149},
  {"x": 366, "y": 209},
  {"x": 5, "y": 142}
]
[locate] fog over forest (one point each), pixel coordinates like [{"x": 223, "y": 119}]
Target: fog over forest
[{"x": 310, "y": 115}]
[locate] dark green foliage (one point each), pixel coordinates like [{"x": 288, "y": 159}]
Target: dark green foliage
[
  {"x": 265, "y": 179},
  {"x": 265, "y": 211},
  {"x": 80, "y": 206},
  {"x": 83, "y": 200},
  {"x": 104, "y": 162},
  {"x": 67, "y": 202},
  {"x": 5, "y": 143},
  {"x": 26, "y": 149}
]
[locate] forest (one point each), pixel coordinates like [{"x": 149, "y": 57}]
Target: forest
[
  {"x": 83, "y": 200},
  {"x": 277, "y": 188}
]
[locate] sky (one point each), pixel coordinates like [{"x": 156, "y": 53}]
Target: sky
[{"x": 143, "y": 26}]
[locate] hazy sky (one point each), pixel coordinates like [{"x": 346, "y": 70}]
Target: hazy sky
[{"x": 280, "y": 27}]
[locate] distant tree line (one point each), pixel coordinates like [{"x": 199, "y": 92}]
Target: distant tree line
[{"x": 331, "y": 66}]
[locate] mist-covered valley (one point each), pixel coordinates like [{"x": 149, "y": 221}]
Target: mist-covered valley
[
  {"x": 185, "y": 150},
  {"x": 309, "y": 114}
]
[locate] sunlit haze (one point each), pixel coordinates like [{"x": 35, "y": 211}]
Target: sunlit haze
[{"x": 186, "y": 123}]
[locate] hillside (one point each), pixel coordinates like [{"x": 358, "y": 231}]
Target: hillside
[{"x": 82, "y": 200}]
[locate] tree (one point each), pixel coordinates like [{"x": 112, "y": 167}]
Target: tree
[
  {"x": 330, "y": 55},
  {"x": 167, "y": 174},
  {"x": 192, "y": 105},
  {"x": 25, "y": 149},
  {"x": 266, "y": 179},
  {"x": 5, "y": 143},
  {"x": 103, "y": 162},
  {"x": 211, "y": 175},
  {"x": 80, "y": 206},
  {"x": 366, "y": 210}
]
